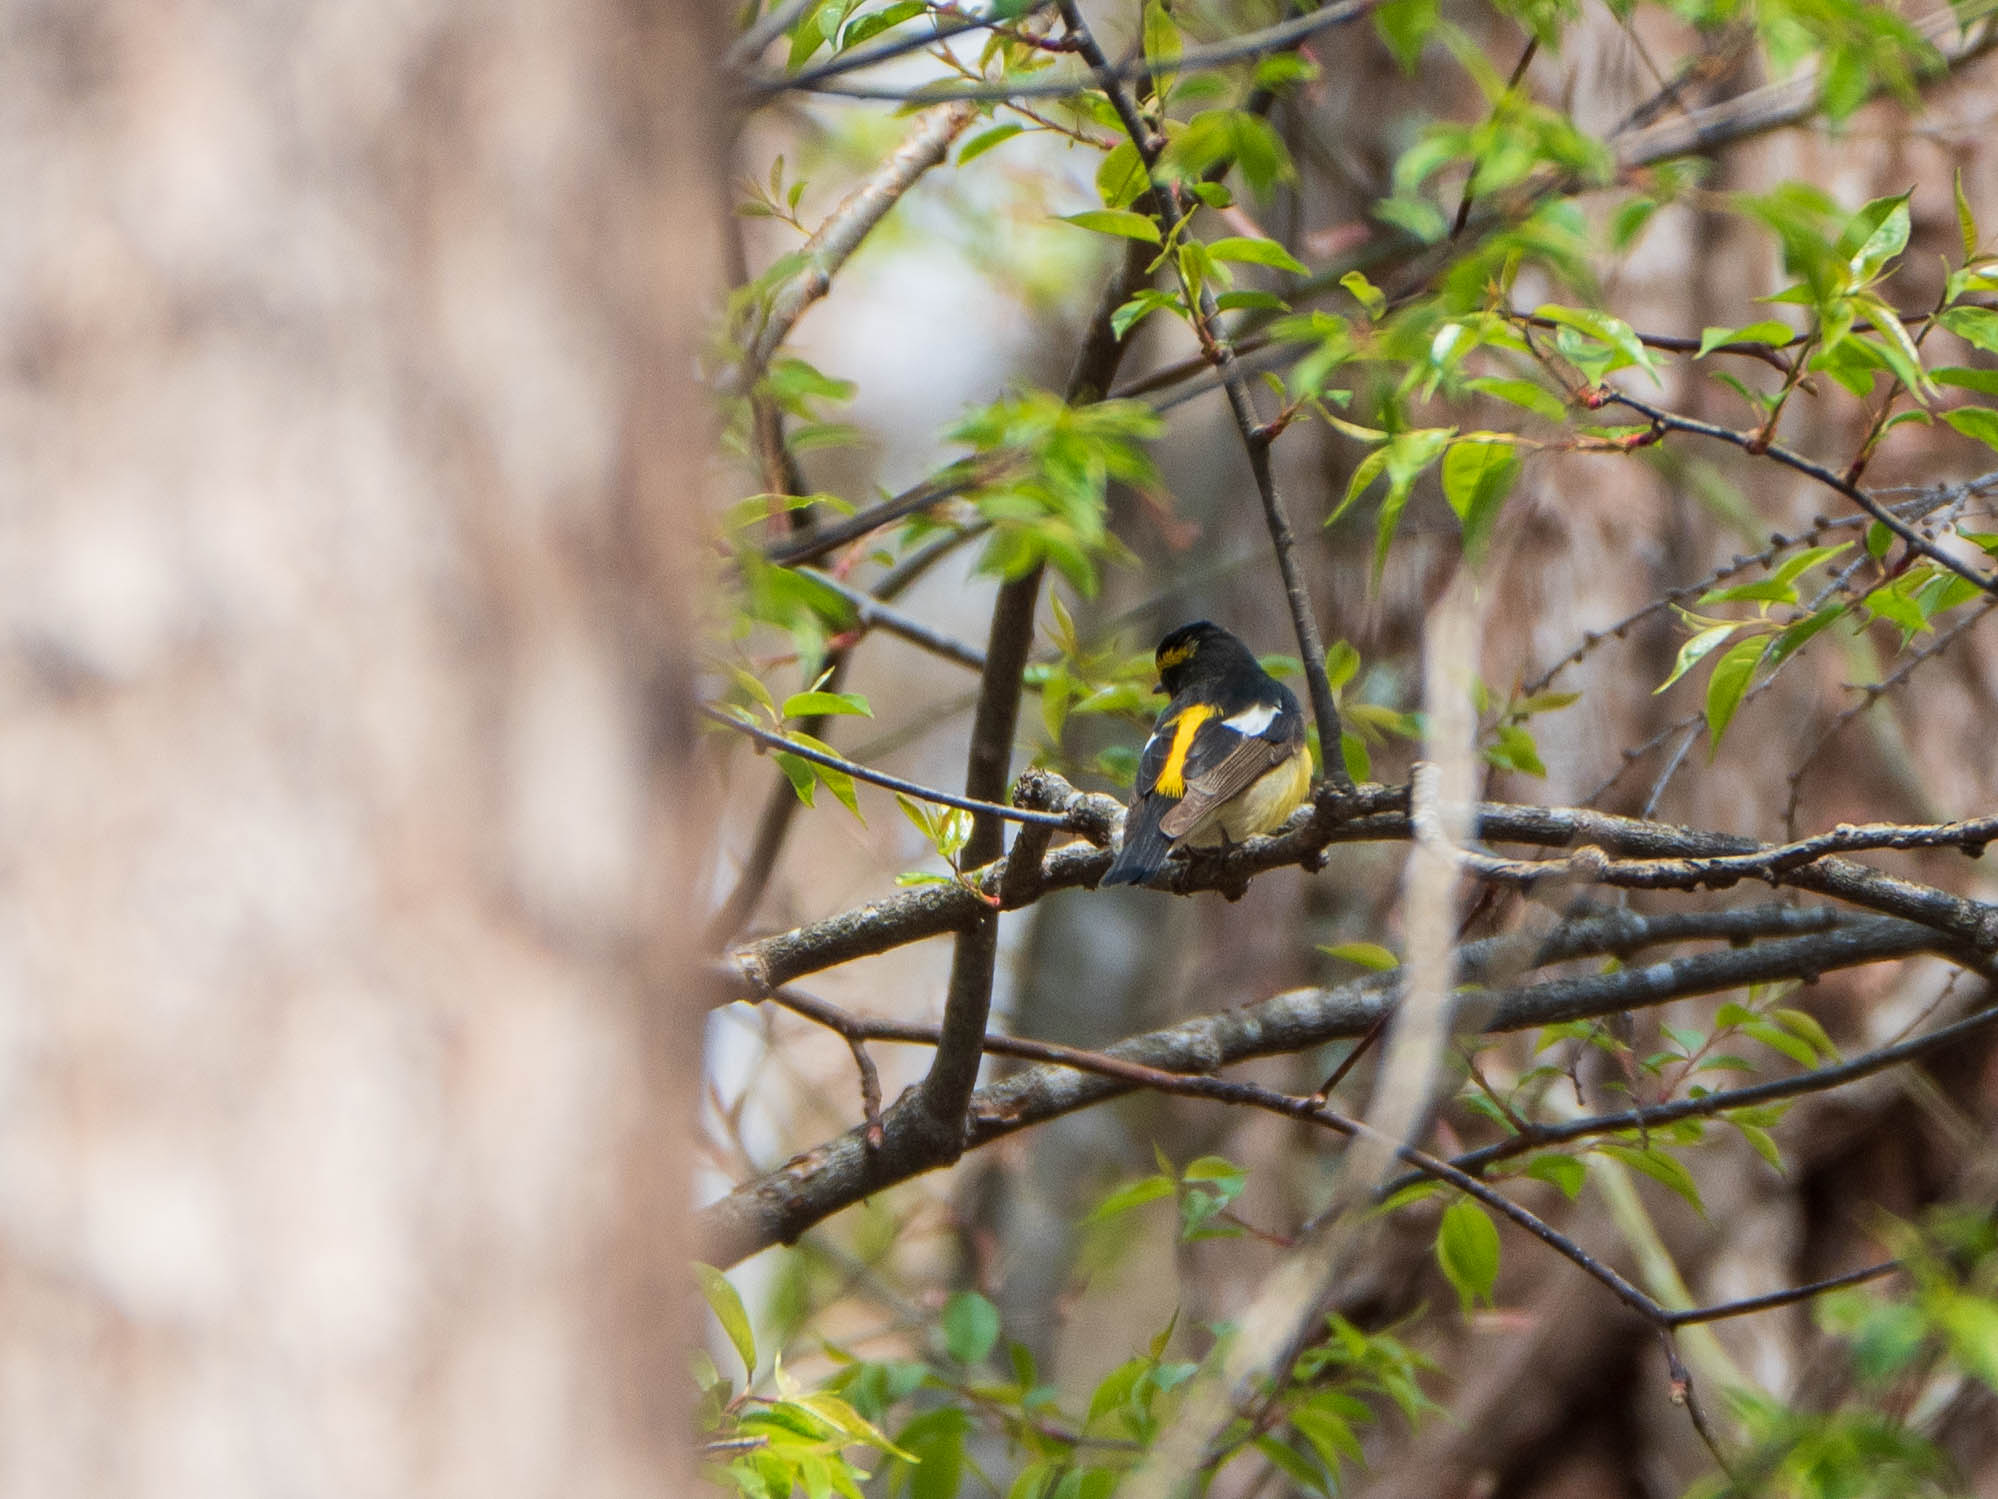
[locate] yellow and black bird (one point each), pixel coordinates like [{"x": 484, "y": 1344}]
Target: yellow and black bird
[{"x": 1226, "y": 761}]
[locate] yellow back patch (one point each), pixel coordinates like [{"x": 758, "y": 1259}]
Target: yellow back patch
[{"x": 1172, "y": 775}]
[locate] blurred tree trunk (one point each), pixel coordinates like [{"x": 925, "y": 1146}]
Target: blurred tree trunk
[{"x": 349, "y": 462}]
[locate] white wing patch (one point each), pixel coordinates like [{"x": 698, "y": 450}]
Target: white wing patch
[{"x": 1252, "y": 721}]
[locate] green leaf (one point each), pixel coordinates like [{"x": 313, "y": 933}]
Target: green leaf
[
  {"x": 1515, "y": 750},
  {"x": 1659, "y": 1166},
  {"x": 1135, "y": 1195},
  {"x": 1563, "y": 1171},
  {"x": 1777, "y": 1038},
  {"x": 1888, "y": 239},
  {"x": 1975, "y": 421},
  {"x": 985, "y": 140},
  {"x": 1467, "y": 1249},
  {"x": 876, "y": 22},
  {"x": 1414, "y": 1192},
  {"x": 1976, "y": 326},
  {"x": 1763, "y": 1142},
  {"x": 1365, "y": 472},
  {"x": 970, "y": 1327},
  {"x": 1354, "y": 755},
  {"x": 1294, "y": 1465},
  {"x": 1370, "y": 955},
  {"x": 1524, "y": 393},
  {"x": 1405, "y": 458},
  {"x": 1612, "y": 332},
  {"x": 1478, "y": 474},
  {"x": 1984, "y": 382},
  {"x": 1256, "y": 252},
  {"x": 1330, "y": 1435},
  {"x": 1971, "y": 1323},
  {"x": 1217, "y": 136},
  {"x": 934, "y": 1440},
  {"x": 1405, "y": 25},
  {"x": 812, "y": 704},
  {"x": 1342, "y": 662},
  {"x": 1122, "y": 178},
  {"x": 1162, "y": 43},
  {"x": 799, "y": 773},
  {"x": 1804, "y": 1024},
  {"x": 1115, "y": 221},
  {"x": 1729, "y": 682},
  {"x": 727, "y": 1306},
  {"x": 1770, "y": 333},
  {"x": 1229, "y": 301},
  {"x": 1215, "y": 1168},
  {"x": 1793, "y": 638},
  {"x": 1695, "y": 651},
  {"x": 1146, "y": 302},
  {"x": 1966, "y": 221},
  {"x": 1896, "y": 346},
  {"x": 1369, "y": 296}
]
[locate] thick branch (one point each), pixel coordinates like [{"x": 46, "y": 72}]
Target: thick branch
[
  {"x": 781, "y": 1204},
  {"x": 1371, "y": 814}
]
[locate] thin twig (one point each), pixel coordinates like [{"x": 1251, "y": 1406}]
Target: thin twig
[
  {"x": 1277, "y": 38},
  {"x": 1916, "y": 542},
  {"x": 875, "y": 615},
  {"x": 866, "y": 773},
  {"x": 1786, "y": 103}
]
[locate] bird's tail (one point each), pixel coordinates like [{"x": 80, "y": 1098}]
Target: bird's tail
[{"x": 1145, "y": 847}]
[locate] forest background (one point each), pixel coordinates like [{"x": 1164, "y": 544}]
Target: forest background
[{"x": 580, "y": 592}]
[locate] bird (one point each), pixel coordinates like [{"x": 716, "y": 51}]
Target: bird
[{"x": 1227, "y": 759}]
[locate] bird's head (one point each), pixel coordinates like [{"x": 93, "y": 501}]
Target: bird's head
[{"x": 1196, "y": 650}]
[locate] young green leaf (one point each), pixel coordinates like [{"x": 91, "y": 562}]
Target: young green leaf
[
  {"x": 1729, "y": 683},
  {"x": 1115, "y": 221},
  {"x": 1478, "y": 473},
  {"x": 1370, "y": 955},
  {"x": 1256, "y": 252},
  {"x": 812, "y": 704},
  {"x": 970, "y": 1327},
  {"x": 985, "y": 140},
  {"x": 1563, "y": 1171},
  {"x": 1695, "y": 651},
  {"x": 1659, "y": 1166},
  {"x": 727, "y": 1306},
  {"x": 1467, "y": 1249}
]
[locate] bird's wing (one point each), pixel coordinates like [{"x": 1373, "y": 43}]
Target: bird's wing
[{"x": 1226, "y": 756}]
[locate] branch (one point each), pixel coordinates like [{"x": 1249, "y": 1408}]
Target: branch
[
  {"x": 956, "y": 479},
  {"x": 1708, "y": 1105},
  {"x": 1771, "y": 863},
  {"x": 881, "y": 778},
  {"x": 1787, "y": 103},
  {"x": 1277, "y": 38},
  {"x": 1370, "y": 814},
  {"x": 782, "y": 1203},
  {"x": 873, "y": 614},
  {"x": 846, "y": 226},
  {"x": 1748, "y": 443}
]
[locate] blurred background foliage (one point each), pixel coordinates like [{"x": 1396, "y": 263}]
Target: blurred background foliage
[{"x": 1627, "y": 307}]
